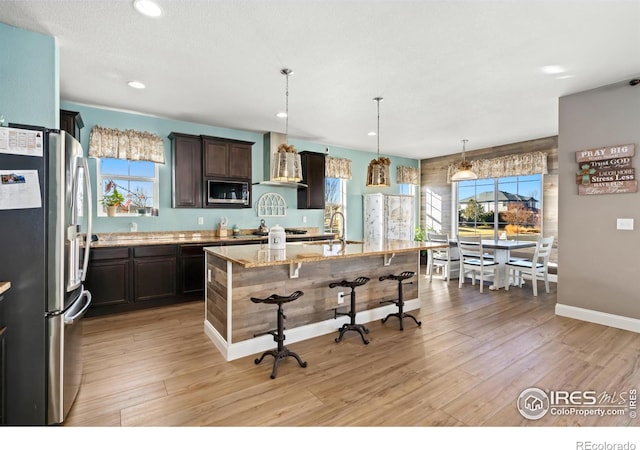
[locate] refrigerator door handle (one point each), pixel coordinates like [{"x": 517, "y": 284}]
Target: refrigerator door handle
[
  {"x": 70, "y": 320},
  {"x": 89, "y": 200}
]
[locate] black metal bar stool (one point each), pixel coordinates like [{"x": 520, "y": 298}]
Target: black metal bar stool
[
  {"x": 352, "y": 325},
  {"x": 399, "y": 302},
  {"x": 278, "y": 335}
]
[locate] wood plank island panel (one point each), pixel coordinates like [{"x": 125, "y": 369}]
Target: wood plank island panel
[
  {"x": 311, "y": 315},
  {"x": 217, "y": 295}
]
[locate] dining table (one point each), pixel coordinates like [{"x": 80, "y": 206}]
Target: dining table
[{"x": 502, "y": 253}]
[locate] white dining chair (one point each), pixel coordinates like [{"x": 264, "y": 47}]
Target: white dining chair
[
  {"x": 534, "y": 269},
  {"x": 446, "y": 259},
  {"x": 473, "y": 260}
]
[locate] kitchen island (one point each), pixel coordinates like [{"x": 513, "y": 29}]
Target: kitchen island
[{"x": 235, "y": 274}]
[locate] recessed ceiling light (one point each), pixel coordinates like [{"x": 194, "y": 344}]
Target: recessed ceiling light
[
  {"x": 147, "y": 7},
  {"x": 136, "y": 84},
  {"x": 371, "y": 133},
  {"x": 552, "y": 70},
  {"x": 281, "y": 115}
]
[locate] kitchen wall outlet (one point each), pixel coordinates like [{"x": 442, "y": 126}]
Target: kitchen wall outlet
[
  {"x": 209, "y": 275},
  {"x": 304, "y": 219},
  {"x": 200, "y": 220},
  {"x": 133, "y": 227},
  {"x": 340, "y": 298}
]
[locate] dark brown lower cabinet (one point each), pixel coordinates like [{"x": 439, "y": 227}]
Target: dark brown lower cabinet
[
  {"x": 154, "y": 272},
  {"x": 191, "y": 270},
  {"x": 129, "y": 278},
  {"x": 109, "y": 277}
]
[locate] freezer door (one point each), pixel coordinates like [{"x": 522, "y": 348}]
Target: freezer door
[{"x": 65, "y": 358}]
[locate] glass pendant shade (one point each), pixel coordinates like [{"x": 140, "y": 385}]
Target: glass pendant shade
[{"x": 286, "y": 166}]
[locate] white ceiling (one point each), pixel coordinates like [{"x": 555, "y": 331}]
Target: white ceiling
[{"x": 448, "y": 70}]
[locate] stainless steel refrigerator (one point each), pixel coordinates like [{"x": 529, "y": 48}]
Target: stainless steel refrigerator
[
  {"x": 389, "y": 217},
  {"x": 45, "y": 214}
]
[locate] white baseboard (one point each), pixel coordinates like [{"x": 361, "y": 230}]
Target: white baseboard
[
  {"x": 232, "y": 351},
  {"x": 602, "y": 318}
]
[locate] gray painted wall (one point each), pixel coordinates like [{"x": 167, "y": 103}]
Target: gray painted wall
[{"x": 599, "y": 266}]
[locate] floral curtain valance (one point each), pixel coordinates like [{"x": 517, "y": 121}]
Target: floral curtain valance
[
  {"x": 337, "y": 168},
  {"x": 407, "y": 175},
  {"x": 506, "y": 166},
  {"x": 128, "y": 144}
]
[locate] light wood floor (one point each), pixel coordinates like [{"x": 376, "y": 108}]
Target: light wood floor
[{"x": 465, "y": 366}]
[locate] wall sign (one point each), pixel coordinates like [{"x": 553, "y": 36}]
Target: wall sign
[{"x": 606, "y": 170}]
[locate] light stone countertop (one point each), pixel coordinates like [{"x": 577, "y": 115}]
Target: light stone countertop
[
  {"x": 301, "y": 252},
  {"x": 4, "y": 286},
  {"x": 106, "y": 240}
]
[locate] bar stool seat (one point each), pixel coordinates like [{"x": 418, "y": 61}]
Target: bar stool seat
[
  {"x": 399, "y": 302},
  {"x": 352, "y": 325},
  {"x": 278, "y": 334}
]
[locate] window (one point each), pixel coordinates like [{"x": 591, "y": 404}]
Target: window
[
  {"x": 137, "y": 181},
  {"x": 335, "y": 200},
  {"x": 407, "y": 189},
  {"x": 494, "y": 207}
]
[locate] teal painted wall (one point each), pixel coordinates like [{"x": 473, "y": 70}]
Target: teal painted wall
[
  {"x": 28, "y": 77},
  {"x": 170, "y": 219}
]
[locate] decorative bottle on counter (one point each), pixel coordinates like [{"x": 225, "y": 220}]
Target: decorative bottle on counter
[{"x": 277, "y": 238}]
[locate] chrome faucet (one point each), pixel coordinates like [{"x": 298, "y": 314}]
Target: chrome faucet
[{"x": 343, "y": 237}]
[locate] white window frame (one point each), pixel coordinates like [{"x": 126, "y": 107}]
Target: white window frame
[{"x": 100, "y": 178}]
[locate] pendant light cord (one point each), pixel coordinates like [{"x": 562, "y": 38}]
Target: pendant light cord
[
  {"x": 286, "y": 108},
  {"x": 378, "y": 100},
  {"x": 286, "y": 72}
]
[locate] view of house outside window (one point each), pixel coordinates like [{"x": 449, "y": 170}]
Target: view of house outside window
[
  {"x": 335, "y": 200},
  {"x": 509, "y": 207},
  {"x": 136, "y": 181}
]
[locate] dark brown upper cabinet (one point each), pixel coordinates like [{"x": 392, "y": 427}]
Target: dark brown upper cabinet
[
  {"x": 226, "y": 158},
  {"x": 312, "y": 197},
  {"x": 71, "y": 122},
  {"x": 198, "y": 158},
  {"x": 187, "y": 186}
]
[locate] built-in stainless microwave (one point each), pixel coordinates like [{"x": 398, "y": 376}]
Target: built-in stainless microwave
[{"x": 221, "y": 192}]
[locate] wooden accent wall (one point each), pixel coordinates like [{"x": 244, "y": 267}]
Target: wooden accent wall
[
  {"x": 319, "y": 301},
  {"x": 433, "y": 175}
]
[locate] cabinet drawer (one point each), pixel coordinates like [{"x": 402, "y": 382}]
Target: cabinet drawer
[
  {"x": 154, "y": 250},
  {"x": 192, "y": 250},
  {"x": 99, "y": 254}
]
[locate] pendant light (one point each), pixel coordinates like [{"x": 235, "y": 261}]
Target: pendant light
[
  {"x": 464, "y": 172},
  {"x": 378, "y": 170},
  {"x": 286, "y": 164}
]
